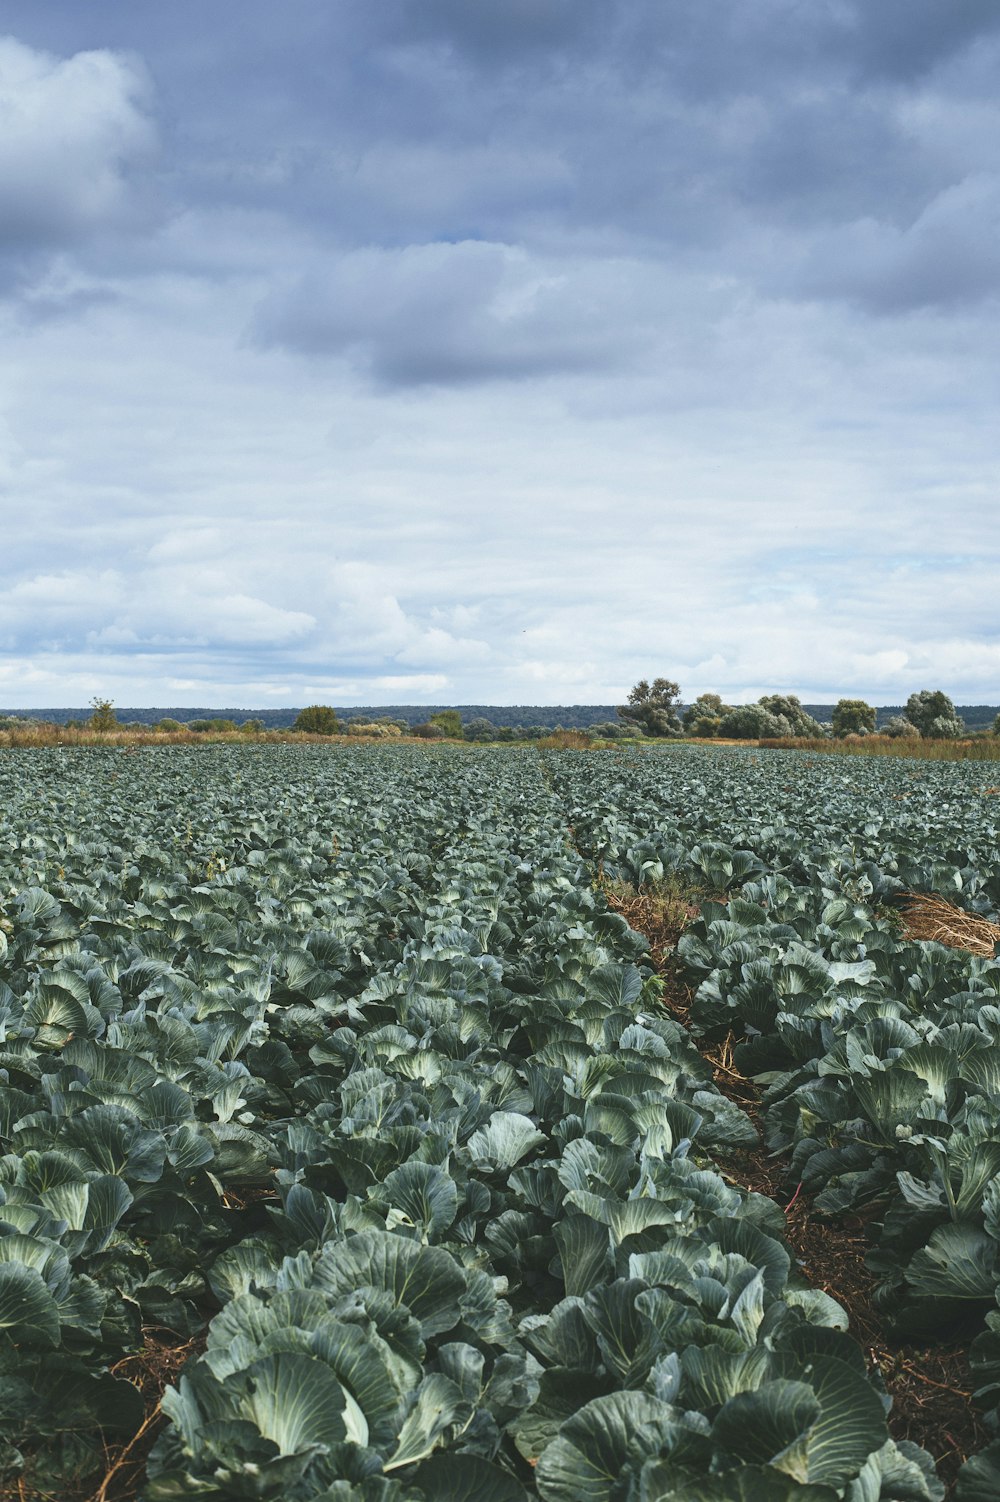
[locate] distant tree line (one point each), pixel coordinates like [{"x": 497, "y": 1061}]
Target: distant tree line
[{"x": 654, "y": 710}]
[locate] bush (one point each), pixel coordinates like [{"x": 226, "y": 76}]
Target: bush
[
  {"x": 751, "y": 722},
  {"x": 566, "y": 740},
  {"x": 168, "y": 726},
  {"x": 375, "y": 729},
  {"x": 900, "y": 729},
  {"x": 103, "y": 717},
  {"x": 450, "y": 722},
  {"x": 945, "y": 727},
  {"x": 317, "y": 719},
  {"x": 787, "y": 709},
  {"x": 704, "y": 717},
  {"x": 253, "y": 727},
  {"x": 853, "y": 717},
  {"x": 933, "y": 713},
  {"x": 652, "y": 708},
  {"x": 427, "y": 731}
]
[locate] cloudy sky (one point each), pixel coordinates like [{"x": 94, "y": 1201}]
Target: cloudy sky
[{"x": 364, "y": 351}]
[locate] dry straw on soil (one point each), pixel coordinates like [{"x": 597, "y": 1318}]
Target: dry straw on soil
[{"x": 934, "y": 920}]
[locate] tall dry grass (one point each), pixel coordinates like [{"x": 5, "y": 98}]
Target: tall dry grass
[{"x": 980, "y": 748}]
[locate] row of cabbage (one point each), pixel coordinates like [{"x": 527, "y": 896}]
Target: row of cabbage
[
  {"x": 879, "y": 1057},
  {"x": 340, "y": 1061}
]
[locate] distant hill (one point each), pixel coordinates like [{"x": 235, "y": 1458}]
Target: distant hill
[
  {"x": 280, "y": 719},
  {"x": 976, "y": 716}
]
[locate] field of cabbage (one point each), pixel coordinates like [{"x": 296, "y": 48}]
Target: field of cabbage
[{"x": 335, "y": 1069}]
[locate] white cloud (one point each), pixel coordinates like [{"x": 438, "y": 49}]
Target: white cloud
[
  {"x": 419, "y": 684},
  {"x": 70, "y": 131}
]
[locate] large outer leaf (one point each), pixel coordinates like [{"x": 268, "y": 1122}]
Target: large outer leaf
[
  {"x": 748, "y": 1484},
  {"x": 627, "y": 1340},
  {"x": 979, "y": 1478},
  {"x": 425, "y": 1195},
  {"x": 438, "y": 1409},
  {"x": 958, "y": 1262},
  {"x": 466, "y": 1478},
  {"x": 28, "y": 1312},
  {"x": 426, "y": 1280},
  {"x": 851, "y": 1423},
  {"x": 585, "y": 1462},
  {"x": 297, "y": 1402},
  {"x": 505, "y": 1139},
  {"x": 584, "y": 1247},
  {"x": 770, "y": 1426},
  {"x": 363, "y": 1371}
]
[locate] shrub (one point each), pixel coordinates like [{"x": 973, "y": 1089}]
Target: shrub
[
  {"x": 900, "y": 729},
  {"x": 934, "y": 715},
  {"x": 374, "y": 729},
  {"x": 566, "y": 740},
  {"x": 103, "y": 717},
  {"x": 450, "y": 721},
  {"x": 787, "y": 709},
  {"x": 480, "y": 729},
  {"x": 652, "y": 707},
  {"x": 317, "y": 719},
  {"x": 704, "y": 717},
  {"x": 751, "y": 722},
  {"x": 853, "y": 717}
]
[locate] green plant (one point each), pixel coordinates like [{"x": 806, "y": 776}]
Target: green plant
[
  {"x": 317, "y": 719},
  {"x": 450, "y": 722},
  {"x": 933, "y": 713},
  {"x": 653, "y": 707},
  {"x": 853, "y": 717},
  {"x": 103, "y": 717}
]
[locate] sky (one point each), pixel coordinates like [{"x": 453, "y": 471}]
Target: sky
[{"x": 498, "y": 351}]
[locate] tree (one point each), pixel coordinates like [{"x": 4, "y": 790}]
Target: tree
[
  {"x": 653, "y": 708},
  {"x": 103, "y": 717},
  {"x": 787, "y": 710},
  {"x": 853, "y": 717},
  {"x": 317, "y": 719},
  {"x": 450, "y": 722},
  {"x": 704, "y": 716},
  {"x": 752, "y": 722},
  {"x": 934, "y": 715},
  {"x": 996, "y": 726}
]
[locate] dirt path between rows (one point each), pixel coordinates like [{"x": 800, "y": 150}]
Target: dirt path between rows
[{"x": 931, "y": 1386}]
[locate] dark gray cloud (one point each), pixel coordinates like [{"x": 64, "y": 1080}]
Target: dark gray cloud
[
  {"x": 459, "y": 313},
  {"x": 75, "y": 132},
  {"x": 949, "y": 257},
  {"x": 905, "y": 39}
]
